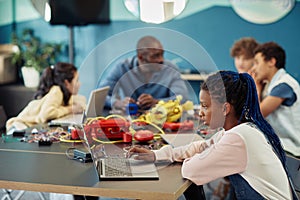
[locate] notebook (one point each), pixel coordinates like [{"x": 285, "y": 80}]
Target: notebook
[
  {"x": 118, "y": 167},
  {"x": 94, "y": 108}
]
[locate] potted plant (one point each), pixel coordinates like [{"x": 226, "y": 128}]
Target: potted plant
[{"x": 33, "y": 56}]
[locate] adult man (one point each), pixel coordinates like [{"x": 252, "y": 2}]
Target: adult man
[
  {"x": 144, "y": 79},
  {"x": 281, "y": 106}
]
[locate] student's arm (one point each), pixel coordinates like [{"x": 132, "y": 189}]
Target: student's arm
[
  {"x": 270, "y": 104},
  {"x": 79, "y": 100},
  {"x": 282, "y": 94},
  {"x": 260, "y": 84},
  {"x": 182, "y": 152},
  {"x": 229, "y": 156},
  {"x": 52, "y": 106},
  {"x": 168, "y": 153}
]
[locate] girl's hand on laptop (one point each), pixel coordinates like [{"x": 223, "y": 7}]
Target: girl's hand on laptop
[
  {"x": 140, "y": 153},
  {"x": 76, "y": 108}
]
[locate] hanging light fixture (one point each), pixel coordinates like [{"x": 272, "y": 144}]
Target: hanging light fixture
[
  {"x": 157, "y": 11},
  {"x": 262, "y": 11}
]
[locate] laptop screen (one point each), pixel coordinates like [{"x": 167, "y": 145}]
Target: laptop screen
[{"x": 96, "y": 102}]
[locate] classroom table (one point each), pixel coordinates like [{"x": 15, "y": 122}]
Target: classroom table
[{"x": 28, "y": 166}]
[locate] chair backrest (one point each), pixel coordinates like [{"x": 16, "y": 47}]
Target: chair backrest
[
  {"x": 293, "y": 165},
  {"x": 3, "y": 117}
]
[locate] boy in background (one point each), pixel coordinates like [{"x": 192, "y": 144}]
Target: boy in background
[
  {"x": 281, "y": 106},
  {"x": 242, "y": 51}
]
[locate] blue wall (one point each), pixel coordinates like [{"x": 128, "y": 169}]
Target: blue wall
[{"x": 215, "y": 29}]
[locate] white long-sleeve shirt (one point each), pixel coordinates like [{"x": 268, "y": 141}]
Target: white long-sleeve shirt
[{"x": 243, "y": 150}]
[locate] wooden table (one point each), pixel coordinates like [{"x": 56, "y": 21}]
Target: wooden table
[{"x": 30, "y": 167}]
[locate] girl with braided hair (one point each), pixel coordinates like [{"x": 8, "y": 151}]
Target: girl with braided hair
[
  {"x": 56, "y": 97},
  {"x": 246, "y": 149}
]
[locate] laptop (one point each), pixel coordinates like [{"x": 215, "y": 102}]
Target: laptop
[
  {"x": 94, "y": 108},
  {"x": 118, "y": 167}
]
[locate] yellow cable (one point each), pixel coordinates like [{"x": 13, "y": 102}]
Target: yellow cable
[
  {"x": 63, "y": 139},
  {"x": 90, "y": 120},
  {"x": 116, "y": 116},
  {"x": 107, "y": 142},
  {"x": 150, "y": 123}
]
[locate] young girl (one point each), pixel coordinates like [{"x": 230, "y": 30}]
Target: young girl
[
  {"x": 56, "y": 96},
  {"x": 246, "y": 150}
]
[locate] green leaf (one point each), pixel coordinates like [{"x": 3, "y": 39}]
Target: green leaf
[{"x": 33, "y": 52}]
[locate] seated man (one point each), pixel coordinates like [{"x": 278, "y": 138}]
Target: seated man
[
  {"x": 144, "y": 79},
  {"x": 281, "y": 106}
]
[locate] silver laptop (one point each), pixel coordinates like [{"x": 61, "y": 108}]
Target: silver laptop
[
  {"x": 96, "y": 102},
  {"x": 94, "y": 108},
  {"x": 118, "y": 167}
]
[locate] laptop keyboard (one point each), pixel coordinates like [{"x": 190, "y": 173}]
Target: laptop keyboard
[{"x": 117, "y": 167}]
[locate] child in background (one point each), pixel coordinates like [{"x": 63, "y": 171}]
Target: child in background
[
  {"x": 242, "y": 51},
  {"x": 243, "y": 54},
  {"x": 56, "y": 96},
  {"x": 281, "y": 106},
  {"x": 246, "y": 150}
]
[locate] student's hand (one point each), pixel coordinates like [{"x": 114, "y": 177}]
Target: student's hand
[
  {"x": 260, "y": 84},
  {"x": 76, "y": 108},
  {"x": 146, "y": 101},
  {"x": 122, "y": 104},
  {"x": 140, "y": 153}
]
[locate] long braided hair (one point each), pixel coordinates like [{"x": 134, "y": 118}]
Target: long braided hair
[
  {"x": 240, "y": 91},
  {"x": 56, "y": 75}
]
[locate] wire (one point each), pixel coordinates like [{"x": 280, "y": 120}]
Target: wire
[
  {"x": 63, "y": 139},
  {"x": 107, "y": 142},
  {"x": 150, "y": 123},
  {"x": 90, "y": 120},
  {"x": 69, "y": 154},
  {"x": 116, "y": 116}
]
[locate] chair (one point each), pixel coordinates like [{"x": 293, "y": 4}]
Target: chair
[
  {"x": 3, "y": 118},
  {"x": 194, "y": 192},
  {"x": 19, "y": 193},
  {"x": 293, "y": 165}
]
